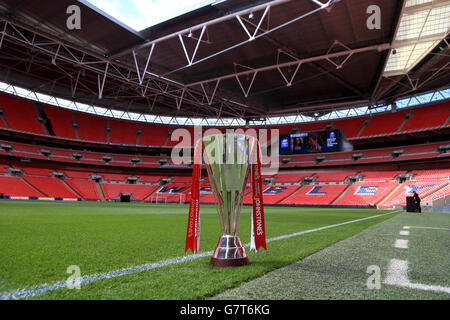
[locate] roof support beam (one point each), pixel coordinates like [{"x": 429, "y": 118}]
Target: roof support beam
[
  {"x": 117, "y": 71},
  {"x": 141, "y": 76},
  {"x": 295, "y": 62},
  {"x": 254, "y": 36},
  {"x": 200, "y": 26}
]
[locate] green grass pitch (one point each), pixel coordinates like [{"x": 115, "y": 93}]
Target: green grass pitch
[{"x": 40, "y": 240}]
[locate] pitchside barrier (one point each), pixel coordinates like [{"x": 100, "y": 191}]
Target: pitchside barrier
[{"x": 40, "y": 198}]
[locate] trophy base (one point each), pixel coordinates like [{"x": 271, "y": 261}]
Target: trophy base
[
  {"x": 221, "y": 263},
  {"x": 229, "y": 253}
]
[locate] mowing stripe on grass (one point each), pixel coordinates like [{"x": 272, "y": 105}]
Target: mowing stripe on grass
[{"x": 35, "y": 290}]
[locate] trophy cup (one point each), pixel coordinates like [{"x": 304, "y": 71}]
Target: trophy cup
[{"x": 228, "y": 158}]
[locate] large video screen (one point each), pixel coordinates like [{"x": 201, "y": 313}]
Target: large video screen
[{"x": 311, "y": 142}]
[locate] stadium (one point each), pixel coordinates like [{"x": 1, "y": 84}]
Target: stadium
[{"x": 350, "y": 103}]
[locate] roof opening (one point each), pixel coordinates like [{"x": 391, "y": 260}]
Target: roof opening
[{"x": 142, "y": 14}]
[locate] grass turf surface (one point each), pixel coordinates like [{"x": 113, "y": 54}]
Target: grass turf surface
[
  {"x": 340, "y": 271},
  {"x": 40, "y": 240}
]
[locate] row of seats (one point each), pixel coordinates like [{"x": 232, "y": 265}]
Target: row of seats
[
  {"x": 384, "y": 193},
  {"x": 425, "y": 151},
  {"x": 21, "y": 114},
  {"x": 73, "y": 184},
  {"x": 366, "y": 176},
  {"x": 84, "y": 157},
  {"x": 392, "y": 154}
]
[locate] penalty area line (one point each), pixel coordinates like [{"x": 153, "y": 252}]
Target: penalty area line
[{"x": 38, "y": 289}]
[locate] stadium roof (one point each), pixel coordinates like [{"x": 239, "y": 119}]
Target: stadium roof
[{"x": 230, "y": 59}]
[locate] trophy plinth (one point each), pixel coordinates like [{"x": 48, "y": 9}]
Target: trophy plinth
[{"x": 229, "y": 253}]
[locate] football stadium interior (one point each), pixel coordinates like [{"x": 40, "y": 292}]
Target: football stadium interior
[{"x": 93, "y": 114}]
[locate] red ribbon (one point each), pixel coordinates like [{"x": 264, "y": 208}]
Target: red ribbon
[
  {"x": 193, "y": 227},
  {"x": 258, "y": 236}
]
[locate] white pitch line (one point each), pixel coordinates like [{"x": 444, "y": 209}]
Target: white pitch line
[
  {"x": 397, "y": 275},
  {"x": 432, "y": 228},
  {"x": 401, "y": 244},
  {"x": 38, "y": 289},
  {"x": 404, "y": 233}
]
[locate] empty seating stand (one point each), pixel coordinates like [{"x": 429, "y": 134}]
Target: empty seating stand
[
  {"x": 272, "y": 194},
  {"x": 123, "y": 132},
  {"x": 16, "y": 187},
  {"x": 86, "y": 188},
  {"x": 291, "y": 177},
  {"x": 20, "y": 114},
  {"x": 385, "y": 123},
  {"x": 153, "y": 135},
  {"x": 90, "y": 127},
  {"x": 366, "y": 193},
  {"x": 61, "y": 121},
  {"x": 431, "y": 174},
  {"x": 382, "y": 175},
  {"x": 138, "y": 191},
  {"x": 428, "y": 117},
  {"x": 315, "y": 195},
  {"x": 334, "y": 176},
  {"x": 423, "y": 188},
  {"x": 444, "y": 191},
  {"x": 50, "y": 187}
]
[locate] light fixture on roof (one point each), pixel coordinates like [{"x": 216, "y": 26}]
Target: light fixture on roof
[
  {"x": 190, "y": 34},
  {"x": 251, "y": 15}
]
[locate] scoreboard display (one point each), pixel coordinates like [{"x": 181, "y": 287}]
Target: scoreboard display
[{"x": 311, "y": 142}]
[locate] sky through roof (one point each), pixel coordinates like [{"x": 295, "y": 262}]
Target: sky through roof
[{"x": 141, "y": 14}]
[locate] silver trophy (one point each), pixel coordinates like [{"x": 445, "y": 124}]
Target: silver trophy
[{"x": 228, "y": 165}]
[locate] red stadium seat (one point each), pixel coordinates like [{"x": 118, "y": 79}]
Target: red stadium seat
[
  {"x": 51, "y": 187},
  {"x": 153, "y": 135},
  {"x": 61, "y": 121},
  {"x": 87, "y": 130},
  {"x": 139, "y": 191},
  {"x": 20, "y": 114},
  {"x": 428, "y": 117},
  {"x": 86, "y": 188},
  {"x": 316, "y": 194},
  {"x": 366, "y": 193},
  {"x": 123, "y": 132},
  {"x": 16, "y": 187},
  {"x": 423, "y": 189},
  {"x": 384, "y": 123}
]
